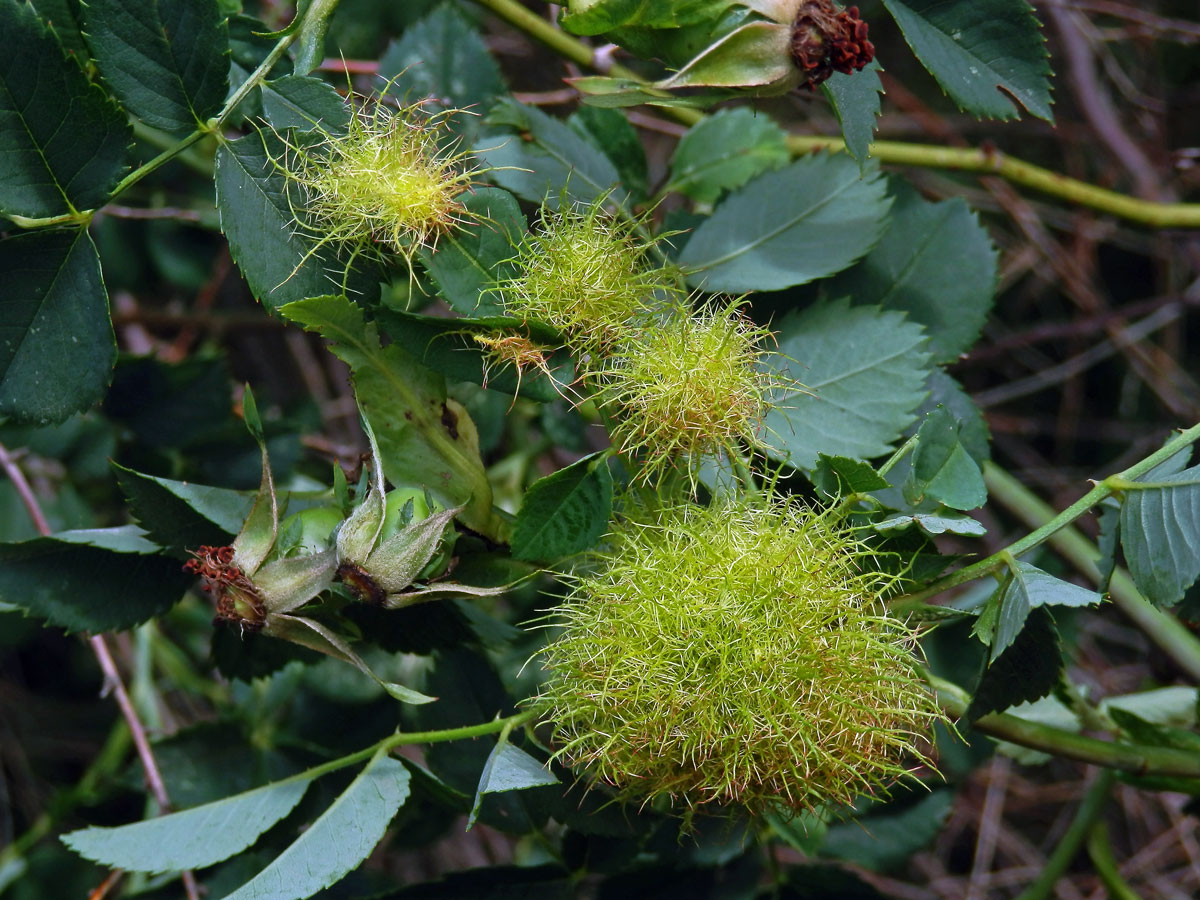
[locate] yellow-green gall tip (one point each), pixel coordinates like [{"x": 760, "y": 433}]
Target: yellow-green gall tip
[
  {"x": 586, "y": 274},
  {"x": 688, "y": 386},
  {"x": 387, "y": 185},
  {"x": 736, "y": 655}
]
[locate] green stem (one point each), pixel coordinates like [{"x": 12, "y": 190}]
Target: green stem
[
  {"x": 1138, "y": 759},
  {"x": 1165, "y": 630},
  {"x": 1100, "y": 850},
  {"x": 1067, "y": 849},
  {"x": 966, "y": 159},
  {"x": 1046, "y": 530}
]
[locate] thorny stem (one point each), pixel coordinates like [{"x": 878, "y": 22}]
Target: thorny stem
[
  {"x": 930, "y": 156},
  {"x": 1137, "y": 759},
  {"x": 112, "y": 677},
  {"x": 1046, "y": 530},
  {"x": 1068, "y": 847}
]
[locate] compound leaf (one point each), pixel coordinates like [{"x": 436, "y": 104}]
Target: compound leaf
[
  {"x": 167, "y": 60},
  {"x": 57, "y": 348},
  {"x": 62, "y": 139},
  {"x": 859, "y": 373},
  {"x": 193, "y": 838}
]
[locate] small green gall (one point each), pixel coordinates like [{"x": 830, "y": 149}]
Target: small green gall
[
  {"x": 587, "y": 275},
  {"x": 388, "y": 185},
  {"x": 690, "y": 385},
  {"x": 736, "y": 654}
]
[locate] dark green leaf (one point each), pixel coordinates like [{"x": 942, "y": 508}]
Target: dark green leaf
[
  {"x": 181, "y": 516},
  {"x": 1027, "y": 588},
  {"x": 942, "y": 468},
  {"x": 313, "y": 20},
  {"x": 445, "y": 345},
  {"x": 469, "y": 262},
  {"x": 855, "y": 101},
  {"x": 424, "y": 438},
  {"x": 1110, "y": 535},
  {"x": 87, "y": 586},
  {"x": 936, "y": 263},
  {"x": 541, "y": 158},
  {"x": 611, "y": 132},
  {"x": 277, "y": 258},
  {"x": 56, "y": 341},
  {"x": 508, "y": 768},
  {"x": 337, "y": 842},
  {"x": 887, "y": 839},
  {"x": 193, "y": 838},
  {"x": 566, "y": 512},
  {"x": 983, "y": 53},
  {"x": 442, "y": 57},
  {"x": 933, "y": 523},
  {"x": 548, "y": 882},
  {"x": 63, "y": 18},
  {"x": 170, "y": 405},
  {"x": 724, "y": 151},
  {"x": 862, "y": 371},
  {"x": 297, "y": 101},
  {"x": 1028, "y": 670},
  {"x": 839, "y": 475},
  {"x": 1160, "y": 534},
  {"x": 972, "y": 429},
  {"x": 166, "y": 60},
  {"x": 789, "y": 227},
  {"x": 62, "y": 140}
]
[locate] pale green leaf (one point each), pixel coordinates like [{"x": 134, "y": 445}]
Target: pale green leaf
[
  {"x": 508, "y": 768},
  {"x": 337, "y": 842},
  {"x": 789, "y": 227},
  {"x": 193, "y": 838}
]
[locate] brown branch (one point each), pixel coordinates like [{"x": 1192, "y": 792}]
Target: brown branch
[{"x": 112, "y": 677}]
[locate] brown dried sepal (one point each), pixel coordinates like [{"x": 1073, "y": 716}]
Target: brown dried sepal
[
  {"x": 825, "y": 41},
  {"x": 361, "y": 583},
  {"x": 234, "y": 593}
]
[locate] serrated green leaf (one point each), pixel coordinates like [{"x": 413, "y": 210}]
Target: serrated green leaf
[
  {"x": 788, "y": 227},
  {"x": 1160, "y": 533},
  {"x": 62, "y": 139},
  {"x": 724, "y": 151},
  {"x": 179, "y": 515},
  {"x": 337, "y": 842},
  {"x": 976, "y": 49},
  {"x": 942, "y": 468},
  {"x": 887, "y": 839},
  {"x": 1109, "y": 522},
  {"x": 508, "y": 768},
  {"x": 540, "y": 158},
  {"x": 166, "y": 60},
  {"x": 446, "y": 346},
  {"x": 933, "y": 523},
  {"x": 63, "y": 18},
  {"x": 609, "y": 131},
  {"x": 193, "y": 838},
  {"x": 276, "y": 256},
  {"x": 855, "y": 101},
  {"x": 443, "y": 57},
  {"x": 56, "y": 341},
  {"x": 304, "y": 103},
  {"x": 424, "y": 438},
  {"x": 945, "y": 391},
  {"x": 1028, "y": 670},
  {"x": 86, "y": 586},
  {"x": 862, "y": 371},
  {"x": 839, "y": 475},
  {"x": 936, "y": 263},
  {"x": 1027, "y": 588},
  {"x": 566, "y": 512},
  {"x": 469, "y": 262}
]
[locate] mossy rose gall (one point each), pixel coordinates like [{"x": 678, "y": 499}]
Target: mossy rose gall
[{"x": 736, "y": 654}]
